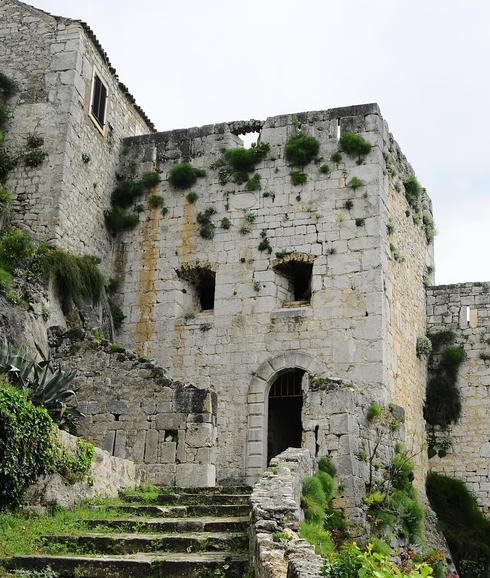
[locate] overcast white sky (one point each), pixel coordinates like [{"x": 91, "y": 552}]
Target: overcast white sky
[{"x": 194, "y": 62}]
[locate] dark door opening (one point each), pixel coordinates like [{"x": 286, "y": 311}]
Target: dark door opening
[{"x": 284, "y": 416}]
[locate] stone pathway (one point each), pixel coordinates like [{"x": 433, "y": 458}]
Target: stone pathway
[{"x": 190, "y": 533}]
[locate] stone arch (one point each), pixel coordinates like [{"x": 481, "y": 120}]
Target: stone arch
[{"x": 256, "y": 458}]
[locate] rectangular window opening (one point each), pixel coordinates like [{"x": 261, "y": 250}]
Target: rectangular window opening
[
  {"x": 201, "y": 286},
  {"x": 298, "y": 274},
  {"x": 99, "y": 100}
]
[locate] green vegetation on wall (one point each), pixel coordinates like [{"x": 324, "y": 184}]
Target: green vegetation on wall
[
  {"x": 301, "y": 148},
  {"x": 354, "y": 145},
  {"x": 183, "y": 175},
  {"x": 443, "y": 403},
  {"x": 236, "y": 164},
  {"x": 464, "y": 525}
]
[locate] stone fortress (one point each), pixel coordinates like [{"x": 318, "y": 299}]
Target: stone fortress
[{"x": 297, "y": 306}]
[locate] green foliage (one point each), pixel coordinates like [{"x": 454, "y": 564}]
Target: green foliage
[
  {"x": 253, "y": 184},
  {"x": 351, "y": 562},
  {"x": 77, "y": 279},
  {"x": 150, "y": 179},
  {"x": 74, "y": 466},
  {"x": 280, "y": 537},
  {"x": 348, "y": 204},
  {"x": 5, "y": 199},
  {"x": 225, "y": 223},
  {"x": 45, "y": 383},
  {"x": 27, "y": 446},
  {"x": 5, "y": 280},
  {"x": 424, "y": 346},
  {"x": 360, "y": 222},
  {"x": 373, "y": 412},
  {"x": 298, "y": 177},
  {"x": 413, "y": 190},
  {"x": 44, "y": 573},
  {"x": 354, "y": 144},
  {"x": 464, "y": 525},
  {"x": 3, "y": 114},
  {"x": 328, "y": 485},
  {"x": 265, "y": 244},
  {"x": 336, "y": 157},
  {"x": 117, "y": 347},
  {"x": 126, "y": 192},
  {"x": 317, "y": 536},
  {"x": 34, "y": 141},
  {"x": 7, "y": 163},
  {"x": 429, "y": 227},
  {"x": 325, "y": 169},
  {"x": 242, "y": 161},
  {"x": 443, "y": 402},
  {"x": 117, "y": 315},
  {"x": 7, "y": 87},
  {"x": 15, "y": 248},
  {"x": 325, "y": 463},
  {"x": 34, "y": 158},
  {"x": 301, "y": 149},
  {"x": 207, "y": 228},
  {"x": 380, "y": 546},
  {"x": 192, "y": 197},
  {"x": 355, "y": 183},
  {"x": 183, "y": 175},
  {"x": 155, "y": 201},
  {"x": 117, "y": 220}
]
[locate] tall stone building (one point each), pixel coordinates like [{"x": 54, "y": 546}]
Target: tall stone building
[{"x": 296, "y": 303}]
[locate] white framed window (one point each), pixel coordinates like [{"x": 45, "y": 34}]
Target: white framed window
[{"x": 98, "y": 101}]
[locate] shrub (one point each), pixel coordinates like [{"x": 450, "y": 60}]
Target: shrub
[
  {"x": 126, "y": 192},
  {"x": 150, "y": 179},
  {"x": 183, "y": 175},
  {"x": 225, "y": 223},
  {"x": 5, "y": 199},
  {"x": 242, "y": 160},
  {"x": 355, "y": 183},
  {"x": 314, "y": 499},
  {"x": 74, "y": 466},
  {"x": 253, "y": 184},
  {"x": 117, "y": 315},
  {"x": 155, "y": 201},
  {"x": 413, "y": 190},
  {"x": 465, "y": 527},
  {"x": 336, "y": 157},
  {"x": 301, "y": 149},
  {"x": 424, "y": 346},
  {"x": 5, "y": 280},
  {"x": 207, "y": 230},
  {"x": 34, "y": 158},
  {"x": 327, "y": 483},
  {"x": 76, "y": 279},
  {"x": 7, "y": 87},
  {"x": 34, "y": 141},
  {"x": 27, "y": 445},
  {"x": 325, "y": 463},
  {"x": 349, "y": 204},
  {"x": 373, "y": 412},
  {"x": 298, "y": 177},
  {"x": 192, "y": 197},
  {"x": 317, "y": 536},
  {"x": 117, "y": 220},
  {"x": 325, "y": 169},
  {"x": 7, "y": 163},
  {"x": 15, "y": 247},
  {"x": 354, "y": 144},
  {"x": 360, "y": 222}
]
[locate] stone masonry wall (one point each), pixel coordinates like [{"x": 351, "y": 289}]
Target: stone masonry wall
[
  {"x": 106, "y": 476},
  {"x": 52, "y": 61},
  {"x": 465, "y": 309},
  {"x": 345, "y": 327},
  {"x": 135, "y": 411},
  {"x": 407, "y": 259}
]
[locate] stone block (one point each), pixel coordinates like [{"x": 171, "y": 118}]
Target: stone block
[{"x": 195, "y": 475}]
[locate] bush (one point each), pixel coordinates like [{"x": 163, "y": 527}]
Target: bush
[
  {"x": 301, "y": 149},
  {"x": 325, "y": 169},
  {"x": 34, "y": 158},
  {"x": 15, "y": 247},
  {"x": 126, "y": 192},
  {"x": 7, "y": 87},
  {"x": 27, "y": 444},
  {"x": 150, "y": 179},
  {"x": 192, "y": 197},
  {"x": 336, "y": 157},
  {"x": 225, "y": 223},
  {"x": 325, "y": 465},
  {"x": 183, "y": 175},
  {"x": 373, "y": 412},
  {"x": 354, "y": 144},
  {"x": 5, "y": 199},
  {"x": 317, "y": 536},
  {"x": 413, "y": 191},
  {"x": 117, "y": 315},
  {"x": 253, "y": 184},
  {"x": 117, "y": 220},
  {"x": 465, "y": 527},
  {"x": 155, "y": 201},
  {"x": 242, "y": 160},
  {"x": 77, "y": 279},
  {"x": 355, "y": 183},
  {"x": 424, "y": 346},
  {"x": 298, "y": 177},
  {"x": 5, "y": 280}
]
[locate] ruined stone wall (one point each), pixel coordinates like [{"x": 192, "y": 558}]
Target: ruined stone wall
[
  {"x": 407, "y": 259},
  {"x": 135, "y": 411},
  {"x": 250, "y": 324},
  {"x": 52, "y": 60},
  {"x": 465, "y": 310}
]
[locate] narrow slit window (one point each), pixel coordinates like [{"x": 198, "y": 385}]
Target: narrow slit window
[
  {"x": 205, "y": 288},
  {"x": 99, "y": 101}
]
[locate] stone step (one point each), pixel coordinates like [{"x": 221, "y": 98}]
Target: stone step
[
  {"x": 180, "y": 511},
  {"x": 186, "y": 498},
  {"x": 247, "y": 490},
  {"x": 134, "y": 543},
  {"x": 202, "y": 524},
  {"x": 175, "y": 565}
]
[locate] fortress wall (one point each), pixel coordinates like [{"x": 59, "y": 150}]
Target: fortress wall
[
  {"x": 52, "y": 60},
  {"x": 465, "y": 309},
  {"x": 250, "y": 324},
  {"x": 408, "y": 263}
]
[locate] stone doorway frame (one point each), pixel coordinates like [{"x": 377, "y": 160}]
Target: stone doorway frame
[{"x": 257, "y": 404}]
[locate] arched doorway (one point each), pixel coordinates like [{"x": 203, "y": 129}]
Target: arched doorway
[{"x": 285, "y": 403}]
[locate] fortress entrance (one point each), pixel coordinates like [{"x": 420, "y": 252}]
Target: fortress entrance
[{"x": 284, "y": 416}]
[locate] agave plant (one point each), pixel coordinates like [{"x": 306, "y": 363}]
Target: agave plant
[{"x": 46, "y": 383}]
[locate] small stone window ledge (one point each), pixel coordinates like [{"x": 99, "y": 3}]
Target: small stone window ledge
[
  {"x": 292, "y": 310},
  {"x": 201, "y": 318}
]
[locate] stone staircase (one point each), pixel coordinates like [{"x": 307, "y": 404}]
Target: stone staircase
[{"x": 200, "y": 532}]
